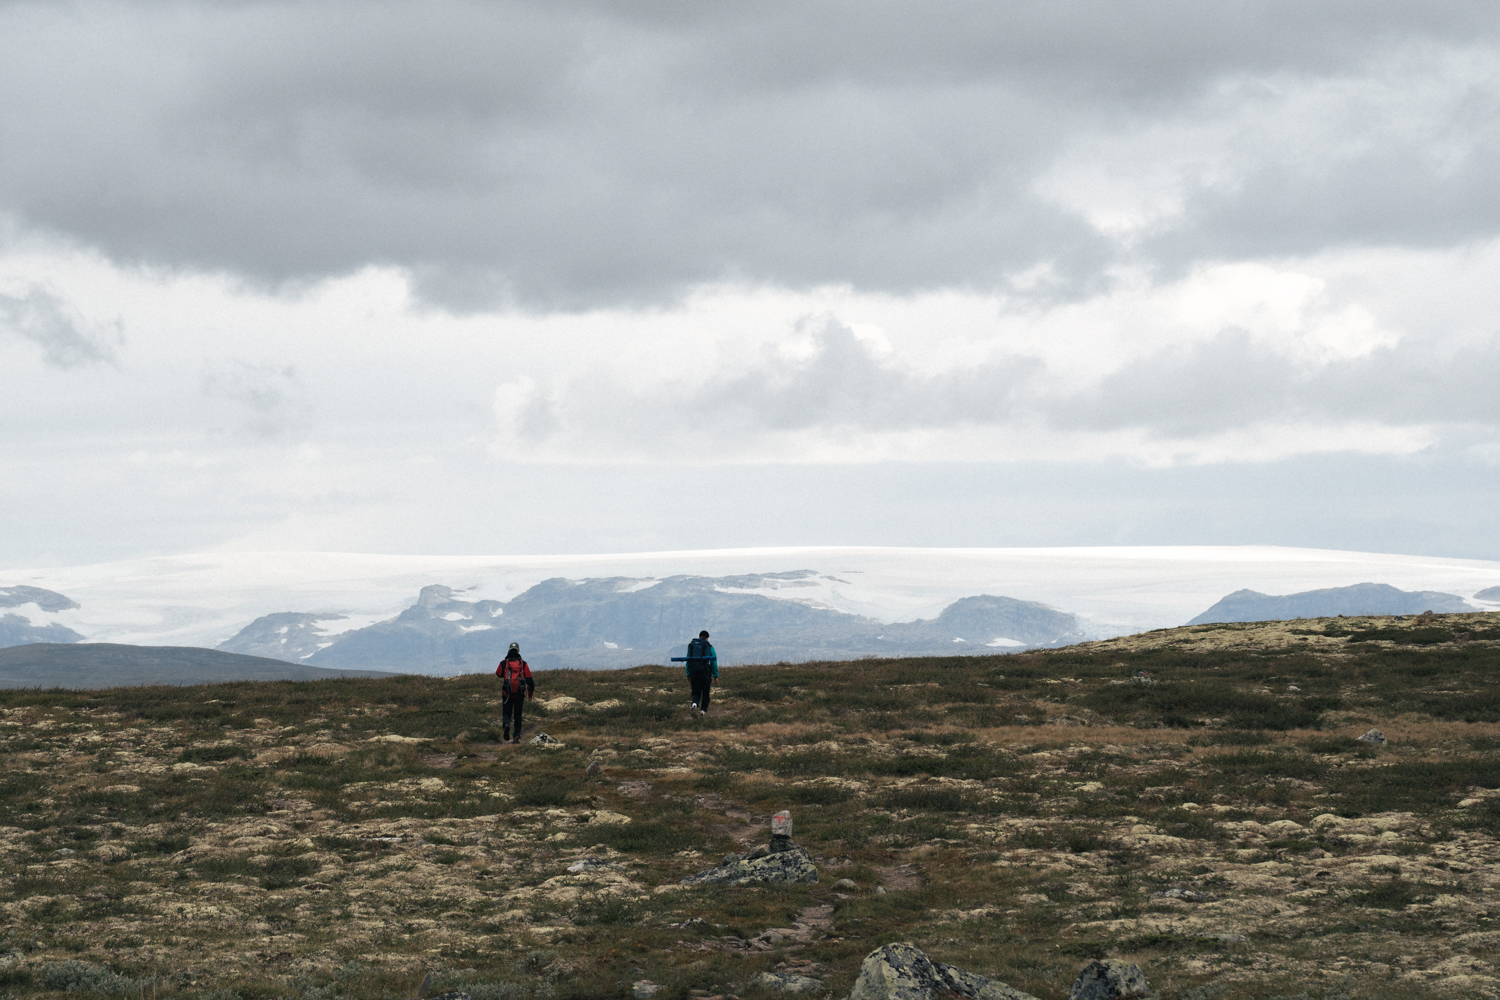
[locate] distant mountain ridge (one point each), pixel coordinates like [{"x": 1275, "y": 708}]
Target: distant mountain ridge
[
  {"x": 21, "y": 629},
  {"x": 622, "y": 621},
  {"x": 107, "y": 665},
  {"x": 1359, "y": 599}
]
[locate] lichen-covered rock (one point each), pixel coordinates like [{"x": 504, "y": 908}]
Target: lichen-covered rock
[
  {"x": 779, "y": 842},
  {"x": 793, "y": 864},
  {"x": 1373, "y": 736},
  {"x": 901, "y": 971},
  {"x": 787, "y": 982},
  {"x": 1110, "y": 979},
  {"x": 1177, "y": 892}
]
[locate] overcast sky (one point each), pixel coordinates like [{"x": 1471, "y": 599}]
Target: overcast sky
[{"x": 589, "y": 276}]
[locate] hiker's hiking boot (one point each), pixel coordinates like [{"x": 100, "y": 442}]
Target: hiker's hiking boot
[
  {"x": 505, "y": 736},
  {"x": 696, "y": 711}
]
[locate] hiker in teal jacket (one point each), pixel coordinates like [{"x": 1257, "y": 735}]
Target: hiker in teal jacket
[{"x": 702, "y": 667}]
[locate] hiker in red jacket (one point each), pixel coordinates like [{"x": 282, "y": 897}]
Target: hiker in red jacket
[{"x": 516, "y": 686}]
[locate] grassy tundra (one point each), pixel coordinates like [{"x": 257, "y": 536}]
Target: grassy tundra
[{"x": 338, "y": 839}]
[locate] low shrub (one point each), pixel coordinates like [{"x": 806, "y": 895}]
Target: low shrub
[
  {"x": 928, "y": 798},
  {"x": 73, "y": 976},
  {"x": 208, "y": 755},
  {"x": 660, "y": 837},
  {"x": 1415, "y": 786},
  {"x": 815, "y": 795}
]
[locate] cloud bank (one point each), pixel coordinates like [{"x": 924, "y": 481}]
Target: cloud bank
[
  {"x": 382, "y": 264},
  {"x": 573, "y": 155}
]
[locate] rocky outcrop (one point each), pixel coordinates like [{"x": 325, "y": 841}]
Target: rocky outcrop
[
  {"x": 1110, "y": 979},
  {"x": 786, "y": 862},
  {"x": 903, "y": 972}
]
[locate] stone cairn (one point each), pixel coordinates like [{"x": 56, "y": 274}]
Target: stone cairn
[{"x": 782, "y": 860}]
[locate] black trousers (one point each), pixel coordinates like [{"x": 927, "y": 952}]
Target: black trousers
[
  {"x": 701, "y": 681},
  {"x": 512, "y": 708}
]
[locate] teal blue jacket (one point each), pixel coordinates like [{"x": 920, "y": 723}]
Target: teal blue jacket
[{"x": 713, "y": 661}]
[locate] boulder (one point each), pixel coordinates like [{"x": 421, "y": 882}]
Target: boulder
[
  {"x": 901, "y": 971},
  {"x": 1177, "y": 892},
  {"x": 1373, "y": 736},
  {"x": 1110, "y": 979},
  {"x": 789, "y": 864}
]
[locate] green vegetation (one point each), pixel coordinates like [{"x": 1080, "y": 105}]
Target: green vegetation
[{"x": 339, "y": 839}]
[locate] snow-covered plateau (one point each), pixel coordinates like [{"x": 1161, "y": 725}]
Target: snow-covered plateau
[{"x": 203, "y": 599}]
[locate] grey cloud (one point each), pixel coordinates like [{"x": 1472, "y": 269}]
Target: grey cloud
[
  {"x": 844, "y": 384},
  {"x": 537, "y": 420},
  {"x": 1234, "y": 380},
  {"x": 1226, "y": 382},
  {"x": 1433, "y": 189},
  {"x": 272, "y": 399},
  {"x": 45, "y": 320},
  {"x": 573, "y": 154}
]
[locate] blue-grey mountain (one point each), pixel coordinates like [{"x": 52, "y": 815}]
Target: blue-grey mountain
[
  {"x": 18, "y": 630},
  {"x": 1359, "y": 599},
  {"x": 287, "y": 635},
  {"x": 1488, "y": 594},
  {"x": 622, "y": 621}
]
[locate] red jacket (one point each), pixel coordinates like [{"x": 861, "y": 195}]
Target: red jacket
[{"x": 515, "y": 676}]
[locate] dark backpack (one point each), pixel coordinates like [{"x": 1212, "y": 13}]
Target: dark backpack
[{"x": 699, "y": 650}]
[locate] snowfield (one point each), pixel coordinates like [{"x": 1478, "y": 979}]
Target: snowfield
[{"x": 201, "y": 599}]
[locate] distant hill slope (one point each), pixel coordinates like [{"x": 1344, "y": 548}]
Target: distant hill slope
[
  {"x": 1487, "y": 594},
  {"x": 1359, "y": 599},
  {"x": 104, "y": 665},
  {"x": 31, "y": 624},
  {"x": 623, "y": 621}
]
